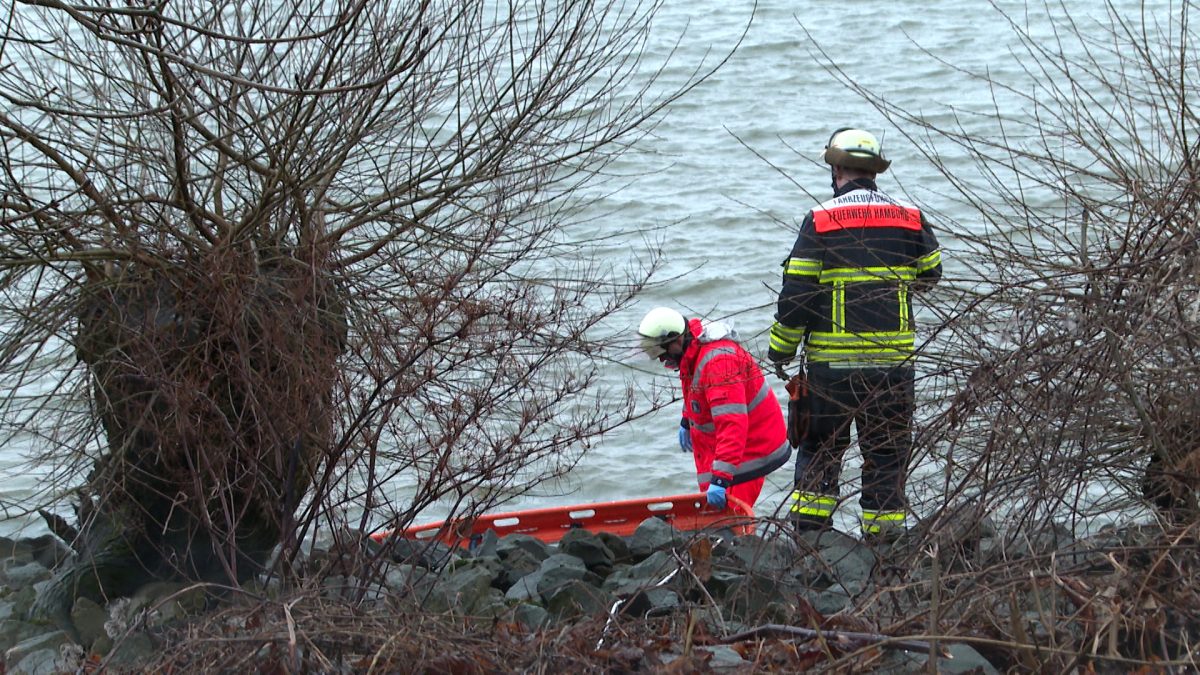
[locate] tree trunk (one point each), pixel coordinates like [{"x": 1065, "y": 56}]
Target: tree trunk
[{"x": 213, "y": 385}]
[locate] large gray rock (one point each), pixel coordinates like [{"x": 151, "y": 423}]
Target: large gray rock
[
  {"x": 19, "y": 575},
  {"x": 531, "y": 545},
  {"x": 37, "y": 653},
  {"x": 490, "y": 563},
  {"x": 554, "y": 571},
  {"x": 650, "y": 601},
  {"x": 835, "y": 558},
  {"x": 524, "y": 590},
  {"x": 576, "y": 598},
  {"x": 831, "y": 600},
  {"x": 404, "y": 577},
  {"x": 49, "y": 551},
  {"x": 337, "y": 586},
  {"x": 653, "y": 534},
  {"x": 956, "y": 532},
  {"x": 1110, "y": 547},
  {"x": 720, "y": 581},
  {"x": 14, "y": 632},
  {"x": 486, "y": 546},
  {"x": 430, "y": 554},
  {"x": 41, "y": 662},
  {"x": 532, "y": 617},
  {"x": 758, "y": 598},
  {"x": 760, "y": 556},
  {"x": 89, "y": 619},
  {"x": 723, "y": 658},
  {"x": 650, "y": 572},
  {"x": 1049, "y": 539},
  {"x": 22, "y": 599},
  {"x": 589, "y": 548},
  {"x": 465, "y": 591},
  {"x": 491, "y": 606},
  {"x": 131, "y": 650},
  {"x": 618, "y": 546},
  {"x": 17, "y": 550},
  {"x": 517, "y": 564},
  {"x": 164, "y": 601},
  {"x": 559, "y": 569}
]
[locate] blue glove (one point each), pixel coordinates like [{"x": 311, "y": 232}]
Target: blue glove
[
  {"x": 685, "y": 439},
  {"x": 716, "y": 496}
]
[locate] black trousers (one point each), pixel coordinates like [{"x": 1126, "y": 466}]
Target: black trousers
[{"x": 879, "y": 402}]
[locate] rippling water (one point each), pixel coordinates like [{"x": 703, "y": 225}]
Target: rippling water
[
  {"x": 728, "y": 215},
  {"x": 736, "y": 213}
]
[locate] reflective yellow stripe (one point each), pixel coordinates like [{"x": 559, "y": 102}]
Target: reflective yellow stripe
[
  {"x": 812, "y": 504},
  {"x": 868, "y": 274},
  {"x": 887, "y": 338},
  {"x": 874, "y": 522},
  {"x": 785, "y": 339},
  {"x": 883, "y": 347},
  {"x": 802, "y": 267},
  {"x": 903, "y": 297},
  {"x": 928, "y": 262},
  {"x": 881, "y": 356},
  {"x": 838, "y": 319}
]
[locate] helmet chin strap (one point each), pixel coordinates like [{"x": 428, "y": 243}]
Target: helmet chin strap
[
  {"x": 673, "y": 362},
  {"x": 833, "y": 178}
]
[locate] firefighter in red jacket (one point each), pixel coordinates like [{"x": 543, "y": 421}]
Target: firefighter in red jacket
[
  {"x": 732, "y": 422},
  {"x": 846, "y": 297}
]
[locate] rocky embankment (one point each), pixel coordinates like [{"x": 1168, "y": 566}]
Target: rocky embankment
[{"x": 734, "y": 588}]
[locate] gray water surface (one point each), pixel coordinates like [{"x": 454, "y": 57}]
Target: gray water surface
[{"x": 729, "y": 216}]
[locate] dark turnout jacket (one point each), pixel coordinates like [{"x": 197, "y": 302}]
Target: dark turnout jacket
[{"x": 848, "y": 281}]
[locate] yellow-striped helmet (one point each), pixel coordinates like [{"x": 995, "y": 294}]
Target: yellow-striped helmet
[{"x": 855, "y": 149}]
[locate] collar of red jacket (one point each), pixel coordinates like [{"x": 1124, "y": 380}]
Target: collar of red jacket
[{"x": 696, "y": 330}]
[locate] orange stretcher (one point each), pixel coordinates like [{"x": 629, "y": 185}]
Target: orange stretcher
[{"x": 684, "y": 512}]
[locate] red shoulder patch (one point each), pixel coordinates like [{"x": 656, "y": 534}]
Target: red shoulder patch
[{"x": 854, "y": 216}]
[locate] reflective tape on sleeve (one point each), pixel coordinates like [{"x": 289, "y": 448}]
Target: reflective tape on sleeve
[
  {"x": 785, "y": 339},
  {"x": 929, "y": 261},
  {"x": 802, "y": 267},
  {"x": 729, "y": 409}
]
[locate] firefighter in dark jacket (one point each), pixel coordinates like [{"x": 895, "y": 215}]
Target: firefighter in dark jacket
[{"x": 846, "y": 298}]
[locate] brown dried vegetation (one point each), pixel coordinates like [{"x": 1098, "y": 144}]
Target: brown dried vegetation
[
  {"x": 266, "y": 269},
  {"x": 402, "y": 174}
]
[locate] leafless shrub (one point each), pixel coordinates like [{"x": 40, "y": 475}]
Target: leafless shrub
[{"x": 314, "y": 259}]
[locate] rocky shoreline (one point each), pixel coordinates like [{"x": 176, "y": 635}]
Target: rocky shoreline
[{"x": 830, "y": 591}]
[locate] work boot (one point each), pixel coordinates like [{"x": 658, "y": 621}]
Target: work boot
[
  {"x": 887, "y": 537},
  {"x": 802, "y": 525},
  {"x": 809, "y": 530}
]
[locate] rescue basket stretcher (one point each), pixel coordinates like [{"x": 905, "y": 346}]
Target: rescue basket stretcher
[{"x": 687, "y": 513}]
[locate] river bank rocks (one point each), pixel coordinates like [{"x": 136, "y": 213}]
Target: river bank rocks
[{"x": 748, "y": 585}]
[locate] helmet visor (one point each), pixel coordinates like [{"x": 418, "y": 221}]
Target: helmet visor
[{"x": 653, "y": 347}]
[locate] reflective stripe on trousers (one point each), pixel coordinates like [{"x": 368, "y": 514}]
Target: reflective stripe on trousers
[
  {"x": 811, "y": 505},
  {"x": 874, "y": 522}
]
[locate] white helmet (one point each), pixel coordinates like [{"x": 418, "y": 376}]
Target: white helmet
[
  {"x": 658, "y": 327},
  {"x": 855, "y": 149}
]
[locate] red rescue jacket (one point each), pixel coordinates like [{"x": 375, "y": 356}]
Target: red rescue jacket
[{"x": 734, "y": 419}]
